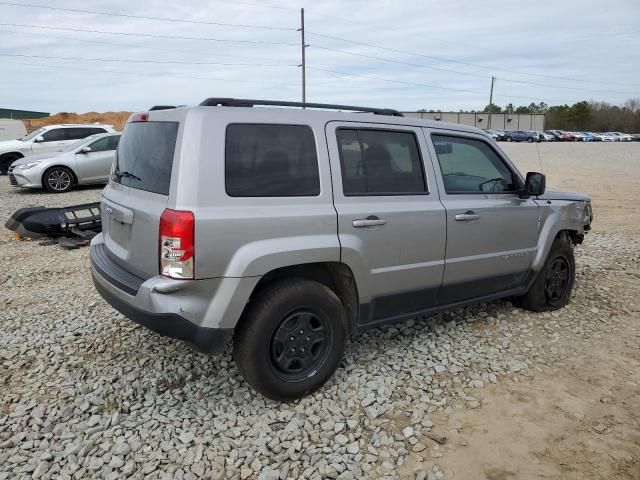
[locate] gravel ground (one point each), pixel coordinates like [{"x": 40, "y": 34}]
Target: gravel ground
[{"x": 88, "y": 394}]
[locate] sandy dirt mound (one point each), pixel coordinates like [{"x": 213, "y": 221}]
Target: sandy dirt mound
[{"x": 117, "y": 119}]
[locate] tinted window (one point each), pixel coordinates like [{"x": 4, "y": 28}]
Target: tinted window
[
  {"x": 145, "y": 156},
  {"x": 55, "y": 135},
  {"x": 77, "y": 133},
  {"x": 101, "y": 145},
  {"x": 471, "y": 166},
  {"x": 380, "y": 162},
  {"x": 271, "y": 161}
]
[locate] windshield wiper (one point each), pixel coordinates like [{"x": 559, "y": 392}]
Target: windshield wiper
[{"x": 125, "y": 174}]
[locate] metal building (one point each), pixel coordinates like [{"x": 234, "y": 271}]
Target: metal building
[
  {"x": 21, "y": 114},
  {"x": 500, "y": 121}
]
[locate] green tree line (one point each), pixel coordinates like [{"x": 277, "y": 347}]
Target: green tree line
[{"x": 582, "y": 116}]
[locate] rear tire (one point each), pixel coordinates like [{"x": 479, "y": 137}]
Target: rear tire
[
  {"x": 530, "y": 140},
  {"x": 552, "y": 287},
  {"x": 291, "y": 339},
  {"x": 58, "y": 180},
  {"x": 509, "y": 139}
]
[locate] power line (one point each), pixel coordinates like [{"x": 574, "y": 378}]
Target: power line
[
  {"x": 457, "y": 72},
  {"x": 404, "y": 82},
  {"x": 140, "y": 73},
  {"x": 142, "y": 17},
  {"x": 441, "y": 59},
  {"x": 133, "y": 45},
  {"x": 150, "y": 35},
  {"x": 163, "y": 62}
]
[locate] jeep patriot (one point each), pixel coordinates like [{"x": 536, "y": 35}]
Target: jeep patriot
[{"x": 289, "y": 230}]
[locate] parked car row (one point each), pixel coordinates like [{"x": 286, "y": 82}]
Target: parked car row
[
  {"x": 559, "y": 136},
  {"x": 59, "y": 157}
]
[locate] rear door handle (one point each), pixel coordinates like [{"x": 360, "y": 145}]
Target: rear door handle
[
  {"x": 370, "y": 221},
  {"x": 467, "y": 216}
]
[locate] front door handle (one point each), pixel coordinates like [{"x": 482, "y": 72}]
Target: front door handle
[
  {"x": 370, "y": 221},
  {"x": 467, "y": 216}
]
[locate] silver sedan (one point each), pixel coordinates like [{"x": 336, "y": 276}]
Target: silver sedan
[{"x": 84, "y": 162}]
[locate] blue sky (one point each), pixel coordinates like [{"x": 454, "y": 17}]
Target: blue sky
[{"x": 428, "y": 54}]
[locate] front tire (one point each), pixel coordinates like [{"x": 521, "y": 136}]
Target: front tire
[
  {"x": 509, "y": 139},
  {"x": 553, "y": 285},
  {"x": 6, "y": 161},
  {"x": 291, "y": 339},
  {"x": 58, "y": 180}
]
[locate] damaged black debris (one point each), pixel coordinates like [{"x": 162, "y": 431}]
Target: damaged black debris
[{"x": 70, "y": 227}]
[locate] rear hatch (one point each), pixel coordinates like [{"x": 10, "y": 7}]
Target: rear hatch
[{"x": 138, "y": 192}]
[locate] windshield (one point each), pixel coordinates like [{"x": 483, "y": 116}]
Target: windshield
[{"x": 33, "y": 134}]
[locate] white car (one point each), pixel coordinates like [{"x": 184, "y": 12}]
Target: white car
[
  {"x": 607, "y": 137},
  {"x": 49, "y": 139},
  {"x": 623, "y": 137},
  {"x": 545, "y": 137},
  {"x": 85, "y": 161}
]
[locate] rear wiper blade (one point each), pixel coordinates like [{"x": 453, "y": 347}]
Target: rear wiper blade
[{"x": 124, "y": 173}]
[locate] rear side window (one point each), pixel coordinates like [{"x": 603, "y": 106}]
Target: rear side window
[
  {"x": 145, "y": 156},
  {"x": 267, "y": 160},
  {"x": 380, "y": 162}
]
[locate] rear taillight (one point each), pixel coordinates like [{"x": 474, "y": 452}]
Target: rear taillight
[{"x": 177, "y": 244}]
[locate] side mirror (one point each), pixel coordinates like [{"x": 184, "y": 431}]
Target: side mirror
[
  {"x": 535, "y": 184},
  {"x": 85, "y": 150},
  {"x": 39, "y": 139}
]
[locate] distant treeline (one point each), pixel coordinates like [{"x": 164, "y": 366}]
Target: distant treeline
[{"x": 583, "y": 116}]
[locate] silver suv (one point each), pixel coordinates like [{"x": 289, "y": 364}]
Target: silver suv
[{"x": 291, "y": 230}]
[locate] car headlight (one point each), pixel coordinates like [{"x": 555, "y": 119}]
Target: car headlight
[{"x": 27, "y": 166}]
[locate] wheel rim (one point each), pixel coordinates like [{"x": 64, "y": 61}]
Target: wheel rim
[
  {"x": 300, "y": 345},
  {"x": 59, "y": 180},
  {"x": 556, "y": 279}
]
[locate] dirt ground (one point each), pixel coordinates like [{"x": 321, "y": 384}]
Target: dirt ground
[{"x": 578, "y": 418}]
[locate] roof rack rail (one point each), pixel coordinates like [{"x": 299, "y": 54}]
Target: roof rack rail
[
  {"x": 243, "y": 102},
  {"x": 161, "y": 107}
]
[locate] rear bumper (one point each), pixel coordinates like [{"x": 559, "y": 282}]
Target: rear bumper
[
  {"x": 204, "y": 339},
  {"x": 200, "y": 312}
]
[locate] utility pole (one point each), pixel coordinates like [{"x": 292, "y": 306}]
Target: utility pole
[
  {"x": 491, "y": 99},
  {"x": 303, "y": 65}
]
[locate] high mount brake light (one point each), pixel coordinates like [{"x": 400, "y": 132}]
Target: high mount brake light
[
  {"x": 139, "y": 117},
  {"x": 177, "y": 244}
]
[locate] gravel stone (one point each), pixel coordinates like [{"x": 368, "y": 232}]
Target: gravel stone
[{"x": 87, "y": 393}]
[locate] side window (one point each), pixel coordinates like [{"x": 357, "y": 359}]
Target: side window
[
  {"x": 93, "y": 131},
  {"x": 55, "y": 135},
  {"x": 267, "y": 160},
  {"x": 471, "y": 166},
  {"x": 77, "y": 133},
  {"x": 380, "y": 162},
  {"x": 101, "y": 145},
  {"x": 113, "y": 142}
]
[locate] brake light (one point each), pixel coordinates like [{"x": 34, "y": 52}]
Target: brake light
[
  {"x": 177, "y": 244},
  {"x": 139, "y": 117}
]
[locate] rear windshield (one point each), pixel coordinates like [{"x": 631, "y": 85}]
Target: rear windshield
[{"x": 145, "y": 156}]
